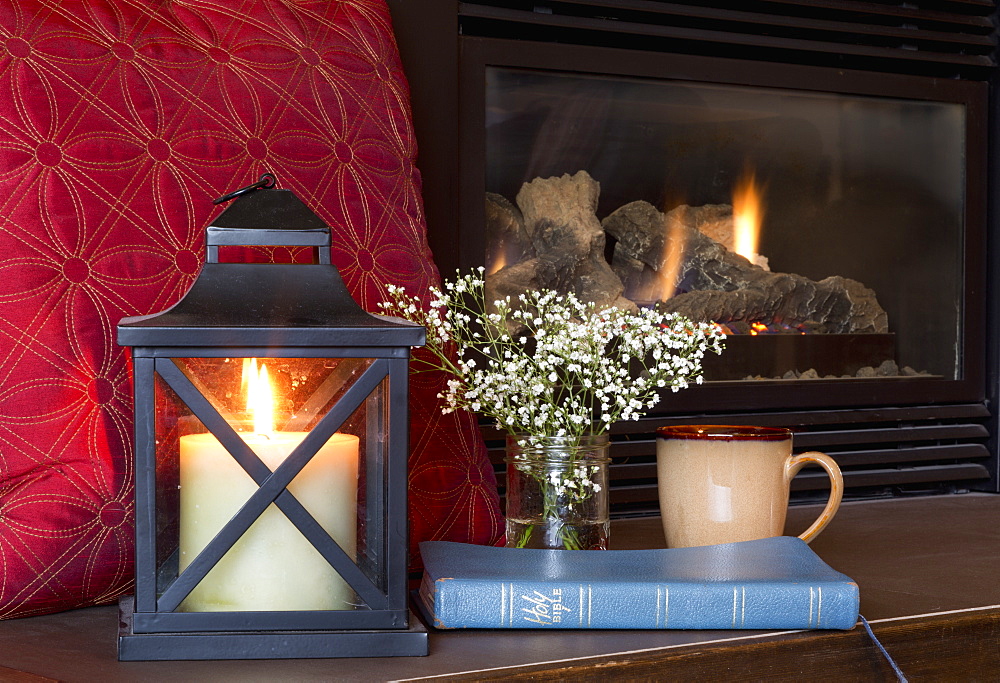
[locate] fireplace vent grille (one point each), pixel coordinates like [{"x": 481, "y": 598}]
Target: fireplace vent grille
[
  {"x": 933, "y": 37},
  {"x": 882, "y": 452}
]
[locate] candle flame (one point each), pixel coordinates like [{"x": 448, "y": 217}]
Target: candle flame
[
  {"x": 260, "y": 397},
  {"x": 748, "y": 213},
  {"x": 249, "y": 370}
]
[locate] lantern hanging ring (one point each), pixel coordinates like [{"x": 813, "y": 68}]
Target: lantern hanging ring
[{"x": 267, "y": 180}]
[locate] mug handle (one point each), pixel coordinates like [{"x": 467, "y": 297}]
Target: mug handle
[{"x": 796, "y": 463}]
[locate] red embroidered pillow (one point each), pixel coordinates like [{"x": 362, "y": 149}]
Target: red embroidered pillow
[{"x": 119, "y": 122}]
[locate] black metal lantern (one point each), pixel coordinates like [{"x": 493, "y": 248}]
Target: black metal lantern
[{"x": 270, "y": 458}]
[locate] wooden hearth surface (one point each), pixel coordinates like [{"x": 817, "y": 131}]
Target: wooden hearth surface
[{"x": 928, "y": 568}]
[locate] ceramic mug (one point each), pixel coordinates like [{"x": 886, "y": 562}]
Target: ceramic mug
[{"x": 721, "y": 484}]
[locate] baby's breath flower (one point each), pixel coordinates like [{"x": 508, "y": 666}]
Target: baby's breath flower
[{"x": 549, "y": 364}]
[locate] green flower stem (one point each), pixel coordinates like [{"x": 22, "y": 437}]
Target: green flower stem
[{"x": 554, "y": 527}]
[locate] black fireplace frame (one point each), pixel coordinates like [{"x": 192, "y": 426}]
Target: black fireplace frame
[
  {"x": 892, "y": 436},
  {"x": 480, "y": 53}
]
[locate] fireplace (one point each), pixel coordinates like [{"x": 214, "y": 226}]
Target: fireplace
[{"x": 858, "y": 318}]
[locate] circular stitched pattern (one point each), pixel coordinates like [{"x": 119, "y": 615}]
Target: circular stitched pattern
[
  {"x": 218, "y": 55},
  {"x": 158, "y": 149},
  {"x": 343, "y": 152},
  {"x": 123, "y": 51},
  {"x": 113, "y": 514},
  {"x": 186, "y": 261},
  {"x": 366, "y": 261},
  {"x": 282, "y": 255},
  {"x": 76, "y": 270},
  {"x": 310, "y": 56},
  {"x": 257, "y": 148},
  {"x": 18, "y": 47},
  {"x": 101, "y": 390},
  {"x": 48, "y": 154}
]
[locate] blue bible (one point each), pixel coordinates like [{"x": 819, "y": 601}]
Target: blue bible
[{"x": 772, "y": 583}]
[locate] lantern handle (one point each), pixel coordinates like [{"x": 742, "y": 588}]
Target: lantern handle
[{"x": 267, "y": 180}]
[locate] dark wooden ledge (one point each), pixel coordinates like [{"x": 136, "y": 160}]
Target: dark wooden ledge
[
  {"x": 953, "y": 646},
  {"x": 927, "y": 568}
]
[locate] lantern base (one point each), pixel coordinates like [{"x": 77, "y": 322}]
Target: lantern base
[{"x": 133, "y": 647}]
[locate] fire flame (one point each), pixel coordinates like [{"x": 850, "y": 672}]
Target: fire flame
[
  {"x": 260, "y": 397},
  {"x": 670, "y": 261},
  {"x": 499, "y": 263},
  {"x": 748, "y": 213},
  {"x": 757, "y": 328}
]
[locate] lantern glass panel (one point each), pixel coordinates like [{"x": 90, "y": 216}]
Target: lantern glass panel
[{"x": 272, "y": 405}]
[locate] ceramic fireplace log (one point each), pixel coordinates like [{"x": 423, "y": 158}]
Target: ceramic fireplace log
[
  {"x": 553, "y": 239},
  {"x": 713, "y": 283},
  {"x": 835, "y": 305},
  {"x": 507, "y": 240},
  {"x": 565, "y": 242}
]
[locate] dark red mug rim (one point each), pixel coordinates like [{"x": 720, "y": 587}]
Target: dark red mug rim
[{"x": 724, "y": 433}]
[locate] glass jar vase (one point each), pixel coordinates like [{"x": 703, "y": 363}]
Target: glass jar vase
[{"x": 557, "y": 492}]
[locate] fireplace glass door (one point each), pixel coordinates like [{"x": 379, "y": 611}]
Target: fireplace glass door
[{"x": 825, "y": 232}]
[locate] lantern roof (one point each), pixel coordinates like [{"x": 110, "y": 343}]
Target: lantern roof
[{"x": 268, "y": 304}]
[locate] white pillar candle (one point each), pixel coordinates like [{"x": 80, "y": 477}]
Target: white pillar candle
[{"x": 272, "y": 567}]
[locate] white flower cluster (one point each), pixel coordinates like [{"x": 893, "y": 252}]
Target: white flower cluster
[
  {"x": 550, "y": 365},
  {"x": 578, "y": 482}
]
